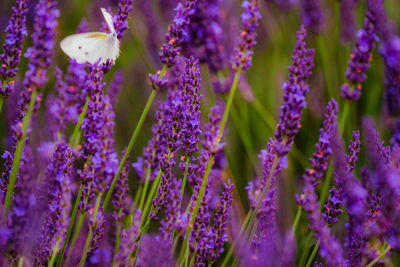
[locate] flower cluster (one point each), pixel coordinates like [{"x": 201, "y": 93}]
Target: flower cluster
[
  {"x": 295, "y": 90},
  {"x": 360, "y": 59},
  {"x": 241, "y": 59},
  {"x": 12, "y": 47},
  {"x": 171, "y": 49},
  {"x": 70, "y": 197}
]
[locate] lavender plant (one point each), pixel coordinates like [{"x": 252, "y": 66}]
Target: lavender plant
[{"x": 196, "y": 194}]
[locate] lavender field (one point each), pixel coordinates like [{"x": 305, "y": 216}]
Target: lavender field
[{"x": 200, "y": 133}]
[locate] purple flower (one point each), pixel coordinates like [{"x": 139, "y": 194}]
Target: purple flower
[
  {"x": 16, "y": 32},
  {"x": 312, "y": 16},
  {"x": 21, "y": 213},
  {"x": 347, "y": 20},
  {"x": 174, "y": 38},
  {"x": 354, "y": 194},
  {"x": 120, "y": 200},
  {"x": 167, "y": 177},
  {"x": 39, "y": 60},
  {"x": 105, "y": 161},
  {"x": 221, "y": 221},
  {"x": 330, "y": 248},
  {"x": 154, "y": 245},
  {"x": 172, "y": 211},
  {"x": 97, "y": 227},
  {"x": 354, "y": 149},
  {"x": 295, "y": 89},
  {"x": 335, "y": 201},
  {"x": 59, "y": 109},
  {"x": 390, "y": 53},
  {"x": 94, "y": 122},
  {"x": 319, "y": 161},
  {"x": 191, "y": 87},
  {"x": 87, "y": 180},
  {"x": 200, "y": 239},
  {"x": 157, "y": 145},
  {"x": 289, "y": 249},
  {"x": 242, "y": 55},
  {"x": 211, "y": 144},
  {"x": 360, "y": 59},
  {"x": 121, "y": 19},
  {"x": 59, "y": 181},
  {"x": 205, "y": 34},
  {"x": 41, "y": 53},
  {"x": 128, "y": 241},
  {"x": 386, "y": 183}
]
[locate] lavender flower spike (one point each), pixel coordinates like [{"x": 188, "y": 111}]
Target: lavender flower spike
[
  {"x": 58, "y": 175},
  {"x": 330, "y": 248},
  {"x": 221, "y": 221},
  {"x": 40, "y": 54},
  {"x": 241, "y": 59},
  {"x": 121, "y": 19},
  {"x": 312, "y": 15},
  {"x": 359, "y": 62},
  {"x": 16, "y": 30},
  {"x": 319, "y": 161},
  {"x": 174, "y": 37},
  {"x": 296, "y": 89}
]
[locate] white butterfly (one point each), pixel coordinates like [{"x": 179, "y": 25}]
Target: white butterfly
[{"x": 91, "y": 46}]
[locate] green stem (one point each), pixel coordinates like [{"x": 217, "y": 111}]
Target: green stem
[
  {"x": 2, "y": 99},
  {"x": 144, "y": 192},
  {"x": 210, "y": 92},
  {"x": 381, "y": 255},
  {"x": 211, "y": 160},
  {"x": 77, "y": 128},
  {"x": 316, "y": 247},
  {"x": 264, "y": 114},
  {"x": 90, "y": 234},
  {"x": 74, "y": 238},
  {"x": 306, "y": 249},
  {"x": 184, "y": 180},
  {"x": 71, "y": 224},
  {"x": 228, "y": 106},
  {"x": 153, "y": 190},
  {"x": 53, "y": 254},
  {"x": 243, "y": 135},
  {"x": 18, "y": 153},
  {"x": 187, "y": 258},
  {"x": 297, "y": 219},
  {"x": 343, "y": 118},
  {"x": 131, "y": 143}
]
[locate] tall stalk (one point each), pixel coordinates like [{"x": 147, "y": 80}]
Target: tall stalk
[
  {"x": 132, "y": 141},
  {"x": 211, "y": 160},
  {"x": 18, "y": 152}
]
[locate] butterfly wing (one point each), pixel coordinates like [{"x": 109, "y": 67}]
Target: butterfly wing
[
  {"x": 106, "y": 49},
  {"x": 111, "y": 49},
  {"x": 86, "y": 47},
  {"x": 109, "y": 19}
]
